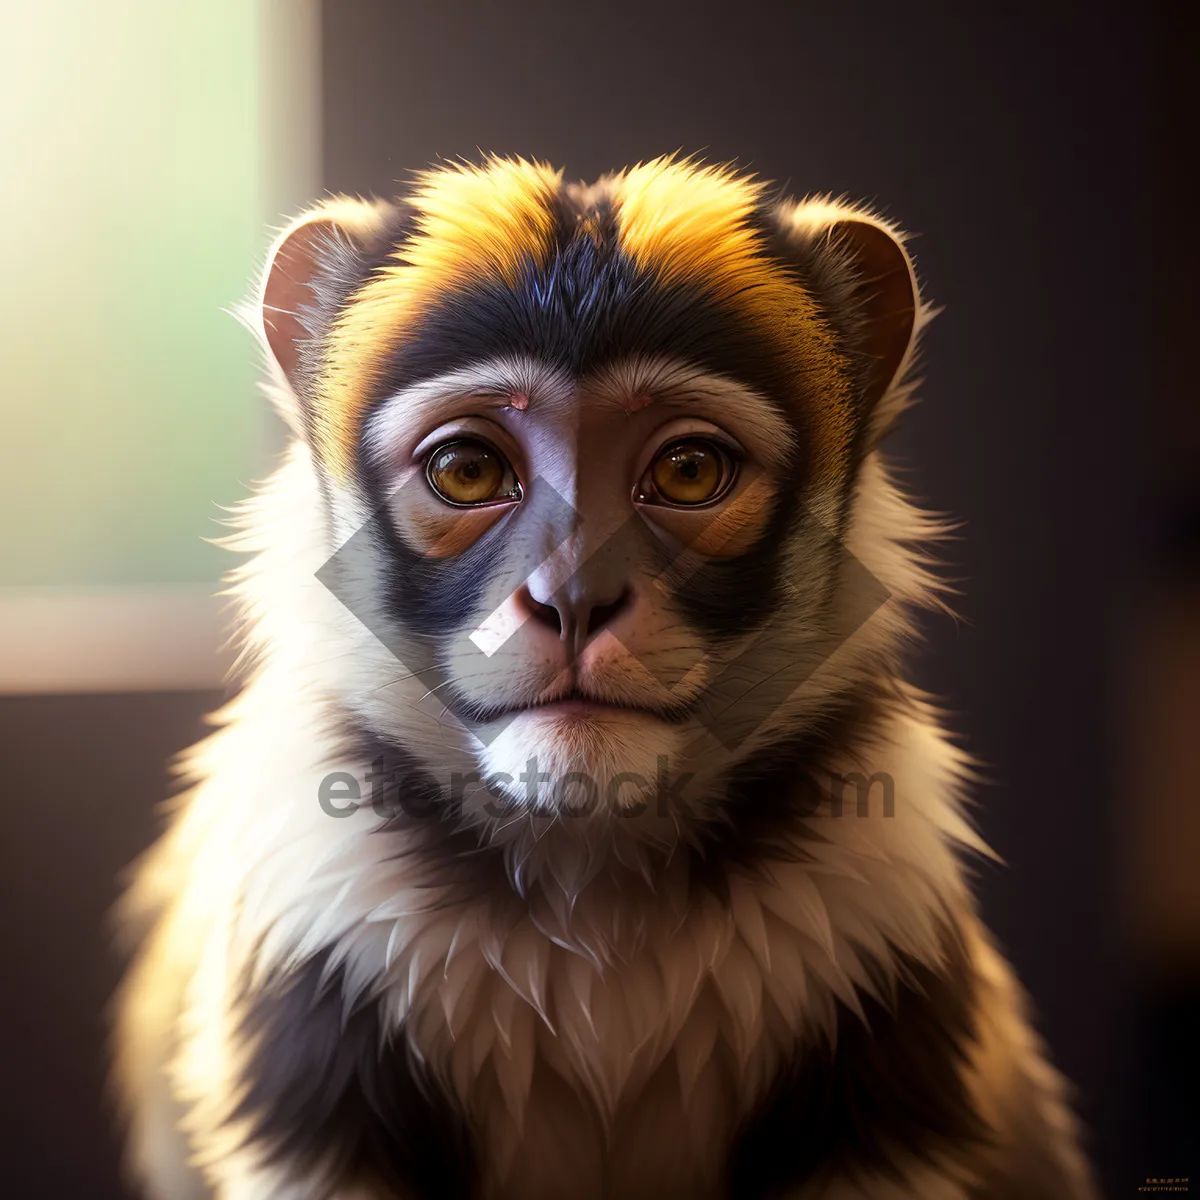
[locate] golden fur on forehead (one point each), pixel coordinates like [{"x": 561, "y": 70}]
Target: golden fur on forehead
[
  {"x": 471, "y": 222},
  {"x": 680, "y": 220},
  {"x": 676, "y": 219}
]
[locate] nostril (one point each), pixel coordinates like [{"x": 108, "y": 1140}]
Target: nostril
[
  {"x": 544, "y": 614},
  {"x": 603, "y": 614}
]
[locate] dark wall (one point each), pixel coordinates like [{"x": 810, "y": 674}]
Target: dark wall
[
  {"x": 83, "y": 777},
  {"x": 1015, "y": 142}
]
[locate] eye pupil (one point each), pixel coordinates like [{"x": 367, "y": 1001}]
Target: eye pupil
[{"x": 691, "y": 472}]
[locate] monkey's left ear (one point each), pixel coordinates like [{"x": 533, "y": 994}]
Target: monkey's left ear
[
  {"x": 861, "y": 273},
  {"x": 312, "y": 268}
]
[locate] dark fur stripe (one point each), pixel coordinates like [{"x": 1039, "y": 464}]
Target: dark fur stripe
[
  {"x": 777, "y": 798},
  {"x": 328, "y": 1093},
  {"x": 887, "y": 1091}
]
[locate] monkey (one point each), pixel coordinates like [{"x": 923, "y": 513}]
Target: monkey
[{"x": 576, "y": 830}]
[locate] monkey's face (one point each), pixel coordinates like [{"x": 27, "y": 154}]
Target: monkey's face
[
  {"x": 585, "y": 551},
  {"x": 590, "y": 457}
]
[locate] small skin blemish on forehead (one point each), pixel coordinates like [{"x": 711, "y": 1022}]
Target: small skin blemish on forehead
[
  {"x": 519, "y": 401},
  {"x": 638, "y": 401}
]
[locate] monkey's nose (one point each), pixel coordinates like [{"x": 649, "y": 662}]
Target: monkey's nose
[{"x": 575, "y": 619}]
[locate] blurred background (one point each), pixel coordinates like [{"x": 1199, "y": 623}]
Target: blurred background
[{"x": 1038, "y": 150}]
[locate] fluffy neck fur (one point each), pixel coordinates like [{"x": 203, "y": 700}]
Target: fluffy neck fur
[{"x": 580, "y": 1009}]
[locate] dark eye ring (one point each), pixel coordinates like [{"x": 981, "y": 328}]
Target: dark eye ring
[{"x": 467, "y": 472}]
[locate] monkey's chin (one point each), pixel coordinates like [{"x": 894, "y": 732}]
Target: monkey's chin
[{"x": 580, "y": 761}]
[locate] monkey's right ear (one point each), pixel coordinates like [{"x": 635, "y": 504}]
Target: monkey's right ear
[
  {"x": 312, "y": 268},
  {"x": 858, "y": 265}
]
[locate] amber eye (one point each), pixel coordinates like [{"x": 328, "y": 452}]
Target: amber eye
[
  {"x": 467, "y": 472},
  {"x": 688, "y": 472}
]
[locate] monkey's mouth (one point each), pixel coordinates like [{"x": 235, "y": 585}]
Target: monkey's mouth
[{"x": 576, "y": 704}]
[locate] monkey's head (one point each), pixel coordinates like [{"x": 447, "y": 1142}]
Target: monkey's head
[{"x": 590, "y": 467}]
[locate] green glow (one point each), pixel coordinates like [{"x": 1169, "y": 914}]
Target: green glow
[{"x": 132, "y": 215}]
